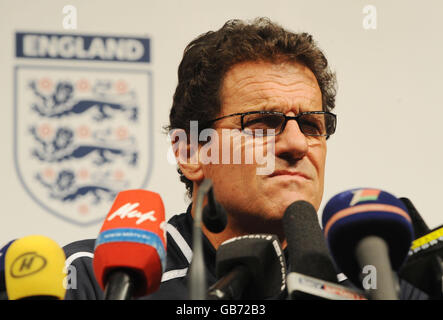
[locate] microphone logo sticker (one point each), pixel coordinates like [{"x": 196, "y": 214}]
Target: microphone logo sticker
[
  {"x": 362, "y": 195},
  {"x": 127, "y": 211},
  {"x": 27, "y": 264},
  {"x": 81, "y": 135}
]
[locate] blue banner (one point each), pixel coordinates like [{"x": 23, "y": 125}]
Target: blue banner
[{"x": 82, "y": 47}]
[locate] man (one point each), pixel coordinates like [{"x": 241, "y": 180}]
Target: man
[
  {"x": 246, "y": 68},
  {"x": 252, "y": 79}
]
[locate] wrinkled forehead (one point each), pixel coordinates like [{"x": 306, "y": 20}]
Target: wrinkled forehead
[{"x": 284, "y": 86}]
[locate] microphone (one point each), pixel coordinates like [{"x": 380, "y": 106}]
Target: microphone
[
  {"x": 368, "y": 227},
  {"x": 215, "y": 217},
  {"x": 310, "y": 263},
  {"x": 249, "y": 267},
  {"x": 130, "y": 250},
  {"x": 197, "y": 273},
  {"x": 427, "y": 245},
  {"x": 3, "y": 294},
  {"x": 308, "y": 252},
  {"x": 34, "y": 269},
  {"x": 424, "y": 267},
  {"x": 420, "y": 227}
]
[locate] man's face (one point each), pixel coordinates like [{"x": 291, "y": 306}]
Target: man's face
[{"x": 299, "y": 160}]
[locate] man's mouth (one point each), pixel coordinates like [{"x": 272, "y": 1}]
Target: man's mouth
[{"x": 282, "y": 173}]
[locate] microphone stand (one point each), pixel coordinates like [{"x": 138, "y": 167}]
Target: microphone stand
[
  {"x": 120, "y": 286},
  {"x": 197, "y": 267}
]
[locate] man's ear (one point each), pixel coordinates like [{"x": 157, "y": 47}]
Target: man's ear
[{"x": 186, "y": 155}]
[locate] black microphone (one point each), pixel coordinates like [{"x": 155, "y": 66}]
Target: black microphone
[
  {"x": 369, "y": 230},
  {"x": 307, "y": 249},
  {"x": 215, "y": 217},
  {"x": 420, "y": 226},
  {"x": 249, "y": 267},
  {"x": 424, "y": 267},
  {"x": 311, "y": 267}
]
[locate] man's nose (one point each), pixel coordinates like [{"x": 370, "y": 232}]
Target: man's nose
[{"x": 291, "y": 143}]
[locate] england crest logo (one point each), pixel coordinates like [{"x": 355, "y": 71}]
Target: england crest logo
[{"x": 81, "y": 136}]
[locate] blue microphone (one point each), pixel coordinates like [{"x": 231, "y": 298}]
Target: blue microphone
[
  {"x": 3, "y": 294},
  {"x": 368, "y": 227}
]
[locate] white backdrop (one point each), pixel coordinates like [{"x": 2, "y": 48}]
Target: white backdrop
[{"x": 388, "y": 103}]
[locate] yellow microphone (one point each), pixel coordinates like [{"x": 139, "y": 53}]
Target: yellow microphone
[{"x": 34, "y": 269}]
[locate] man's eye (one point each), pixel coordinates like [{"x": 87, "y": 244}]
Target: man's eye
[
  {"x": 262, "y": 121},
  {"x": 312, "y": 126}
]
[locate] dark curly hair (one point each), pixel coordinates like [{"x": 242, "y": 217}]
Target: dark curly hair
[{"x": 210, "y": 56}]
